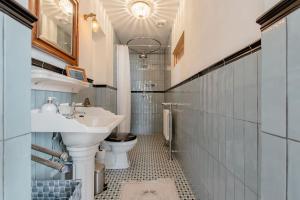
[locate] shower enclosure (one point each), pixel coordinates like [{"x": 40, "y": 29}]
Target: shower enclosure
[{"x": 147, "y": 65}]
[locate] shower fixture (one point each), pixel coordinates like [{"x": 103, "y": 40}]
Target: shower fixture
[{"x": 144, "y": 46}]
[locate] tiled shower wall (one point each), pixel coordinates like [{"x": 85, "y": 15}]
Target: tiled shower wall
[
  {"x": 146, "y": 113},
  {"x": 103, "y": 97},
  {"x": 216, "y": 130},
  {"x": 147, "y": 75},
  {"x": 281, "y": 110}
]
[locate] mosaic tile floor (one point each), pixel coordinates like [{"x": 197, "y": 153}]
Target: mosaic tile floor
[{"x": 149, "y": 161}]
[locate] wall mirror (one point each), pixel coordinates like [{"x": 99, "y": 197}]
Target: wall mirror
[{"x": 56, "y": 31}]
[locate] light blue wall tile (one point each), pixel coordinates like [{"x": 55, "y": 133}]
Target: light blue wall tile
[
  {"x": 229, "y": 186},
  {"x": 239, "y": 190},
  {"x": 293, "y": 170},
  {"x": 1, "y": 75},
  {"x": 86, "y": 93},
  {"x": 273, "y": 168},
  {"x": 239, "y": 89},
  {"x": 250, "y": 195},
  {"x": 259, "y": 68},
  {"x": 17, "y": 93},
  {"x": 1, "y": 170},
  {"x": 274, "y": 79},
  {"x": 222, "y": 139},
  {"x": 239, "y": 146},
  {"x": 230, "y": 144},
  {"x": 222, "y": 183},
  {"x": 17, "y": 180},
  {"x": 229, "y": 90},
  {"x": 293, "y": 75},
  {"x": 251, "y": 174},
  {"x": 250, "y": 88}
]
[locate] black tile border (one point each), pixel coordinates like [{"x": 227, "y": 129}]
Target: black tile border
[
  {"x": 141, "y": 92},
  {"x": 277, "y": 12},
  {"x": 38, "y": 63},
  {"x": 252, "y": 48},
  {"x": 104, "y": 86},
  {"x": 18, "y": 12}
]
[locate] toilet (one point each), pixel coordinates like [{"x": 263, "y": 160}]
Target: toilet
[{"x": 116, "y": 146}]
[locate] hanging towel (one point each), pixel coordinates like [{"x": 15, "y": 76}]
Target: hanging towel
[{"x": 166, "y": 127}]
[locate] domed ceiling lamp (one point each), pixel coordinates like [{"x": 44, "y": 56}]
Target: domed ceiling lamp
[{"x": 141, "y": 9}]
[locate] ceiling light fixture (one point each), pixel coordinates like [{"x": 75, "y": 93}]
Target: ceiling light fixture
[
  {"x": 140, "y": 9},
  {"x": 66, "y": 6},
  {"x": 95, "y": 24}
]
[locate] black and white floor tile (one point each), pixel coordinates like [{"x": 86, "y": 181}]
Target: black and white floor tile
[{"x": 149, "y": 161}]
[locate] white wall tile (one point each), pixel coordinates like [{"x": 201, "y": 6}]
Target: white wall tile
[
  {"x": 273, "y": 171},
  {"x": 274, "y": 79},
  {"x": 17, "y": 93},
  {"x": 293, "y": 75},
  {"x": 293, "y": 170},
  {"x": 17, "y": 166}
]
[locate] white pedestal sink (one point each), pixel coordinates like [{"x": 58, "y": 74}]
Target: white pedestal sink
[{"x": 82, "y": 136}]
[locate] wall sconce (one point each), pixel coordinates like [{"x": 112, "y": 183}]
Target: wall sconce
[{"x": 95, "y": 24}]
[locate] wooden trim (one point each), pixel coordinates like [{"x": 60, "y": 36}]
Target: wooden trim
[
  {"x": 179, "y": 49},
  {"x": 75, "y": 68},
  {"x": 18, "y": 12},
  {"x": 50, "y": 48},
  {"x": 277, "y": 12},
  {"x": 229, "y": 59}
]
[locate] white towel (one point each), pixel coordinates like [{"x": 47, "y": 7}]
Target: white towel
[{"x": 166, "y": 127}]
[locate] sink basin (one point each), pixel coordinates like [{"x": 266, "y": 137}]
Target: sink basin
[
  {"x": 86, "y": 129},
  {"x": 82, "y": 136}
]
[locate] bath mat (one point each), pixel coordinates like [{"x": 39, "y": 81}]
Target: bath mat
[{"x": 161, "y": 189}]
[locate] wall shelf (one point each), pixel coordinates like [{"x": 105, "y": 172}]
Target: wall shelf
[{"x": 42, "y": 79}]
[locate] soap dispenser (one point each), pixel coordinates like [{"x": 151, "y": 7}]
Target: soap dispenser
[{"x": 50, "y": 106}]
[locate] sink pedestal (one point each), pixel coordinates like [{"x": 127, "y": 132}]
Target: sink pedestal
[{"x": 83, "y": 168}]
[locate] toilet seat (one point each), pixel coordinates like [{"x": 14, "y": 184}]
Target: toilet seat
[{"x": 120, "y": 137}]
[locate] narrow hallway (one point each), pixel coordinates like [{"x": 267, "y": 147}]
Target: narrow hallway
[{"x": 149, "y": 161}]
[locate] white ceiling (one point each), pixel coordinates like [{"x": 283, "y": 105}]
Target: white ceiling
[{"x": 128, "y": 27}]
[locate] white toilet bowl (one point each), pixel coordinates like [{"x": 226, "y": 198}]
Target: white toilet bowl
[{"x": 116, "y": 152}]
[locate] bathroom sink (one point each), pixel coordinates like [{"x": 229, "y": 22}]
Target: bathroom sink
[
  {"x": 90, "y": 127},
  {"x": 82, "y": 135}
]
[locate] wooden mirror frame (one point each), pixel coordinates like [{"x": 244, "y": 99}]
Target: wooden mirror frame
[{"x": 50, "y": 48}]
